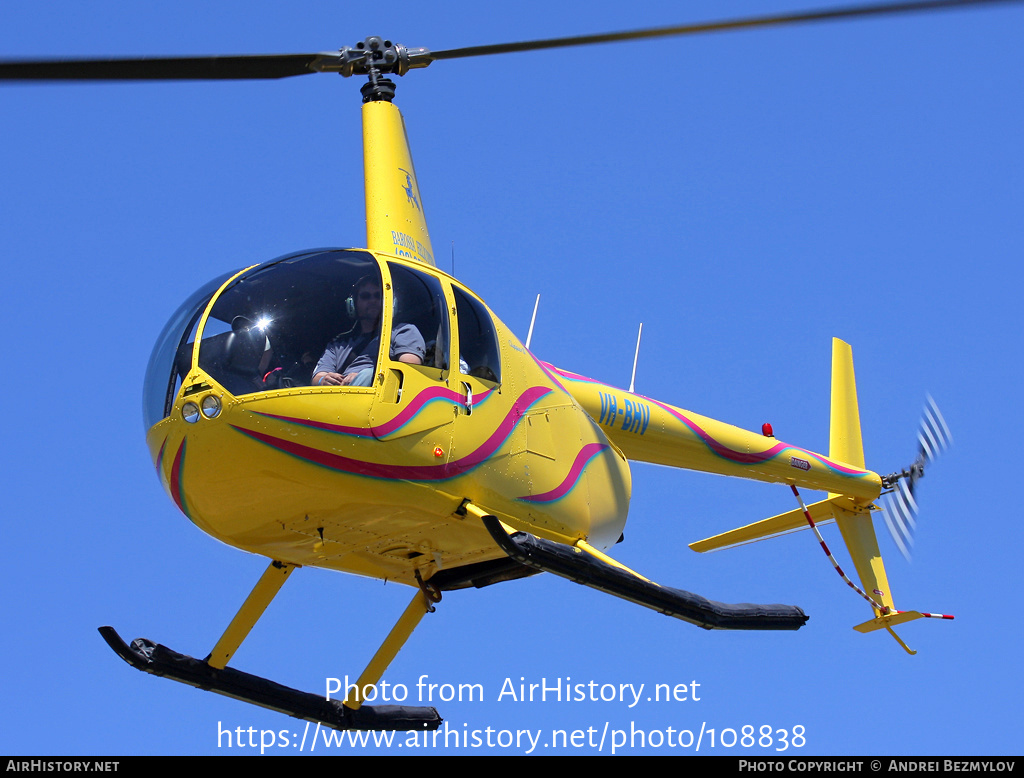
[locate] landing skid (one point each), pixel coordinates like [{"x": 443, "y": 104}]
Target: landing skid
[
  {"x": 156, "y": 659},
  {"x": 588, "y": 566},
  {"x": 212, "y": 674}
]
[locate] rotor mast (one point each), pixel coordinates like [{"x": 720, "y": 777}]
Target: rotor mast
[{"x": 395, "y": 222}]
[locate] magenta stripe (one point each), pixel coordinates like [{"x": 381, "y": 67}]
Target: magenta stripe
[
  {"x": 587, "y": 453},
  {"x": 383, "y": 430},
  {"x": 160, "y": 456},
  {"x": 748, "y": 458},
  {"x": 551, "y": 372},
  {"x": 408, "y": 472},
  {"x": 177, "y": 488},
  {"x": 740, "y": 457}
]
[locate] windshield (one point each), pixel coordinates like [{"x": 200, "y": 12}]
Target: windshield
[
  {"x": 172, "y": 354},
  {"x": 270, "y": 328}
]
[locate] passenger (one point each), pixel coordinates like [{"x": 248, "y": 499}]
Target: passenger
[{"x": 351, "y": 358}]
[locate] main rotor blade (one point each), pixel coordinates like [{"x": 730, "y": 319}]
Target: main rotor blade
[
  {"x": 260, "y": 66},
  {"x": 353, "y": 61},
  {"x": 847, "y": 12}
]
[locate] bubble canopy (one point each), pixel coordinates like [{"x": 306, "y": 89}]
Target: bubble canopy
[{"x": 266, "y": 329}]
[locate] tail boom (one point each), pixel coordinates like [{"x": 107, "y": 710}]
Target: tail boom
[{"x": 648, "y": 430}]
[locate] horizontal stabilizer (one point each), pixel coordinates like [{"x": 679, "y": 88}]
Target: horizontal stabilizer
[
  {"x": 821, "y": 512},
  {"x": 591, "y": 570},
  {"x": 890, "y": 620},
  {"x": 155, "y": 659}
]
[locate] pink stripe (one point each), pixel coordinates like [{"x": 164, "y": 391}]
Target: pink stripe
[
  {"x": 746, "y": 458},
  {"x": 587, "y": 453},
  {"x": 177, "y": 493},
  {"x": 408, "y": 472},
  {"x": 570, "y": 375},
  {"x": 383, "y": 430},
  {"x": 551, "y": 372},
  {"x": 160, "y": 456},
  {"x": 722, "y": 450}
]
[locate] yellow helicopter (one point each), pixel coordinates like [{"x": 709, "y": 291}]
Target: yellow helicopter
[{"x": 465, "y": 460}]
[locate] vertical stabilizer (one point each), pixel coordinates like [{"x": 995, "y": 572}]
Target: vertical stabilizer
[
  {"x": 846, "y": 445},
  {"x": 844, "y": 432},
  {"x": 395, "y": 223}
]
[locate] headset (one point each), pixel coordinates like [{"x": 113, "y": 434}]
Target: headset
[{"x": 350, "y": 301}]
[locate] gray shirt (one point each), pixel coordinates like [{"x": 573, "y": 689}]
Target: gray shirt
[{"x": 351, "y": 352}]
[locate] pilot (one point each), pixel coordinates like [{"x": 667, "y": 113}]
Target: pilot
[{"x": 351, "y": 358}]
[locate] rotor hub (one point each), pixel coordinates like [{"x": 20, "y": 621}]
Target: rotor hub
[{"x": 373, "y": 54}]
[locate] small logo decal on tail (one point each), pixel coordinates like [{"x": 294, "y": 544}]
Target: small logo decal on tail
[{"x": 410, "y": 191}]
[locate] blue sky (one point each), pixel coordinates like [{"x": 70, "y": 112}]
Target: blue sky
[{"x": 747, "y": 196}]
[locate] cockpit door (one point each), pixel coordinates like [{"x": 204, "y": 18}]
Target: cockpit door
[
  {"x": 414, "y": 402},
  {"x": 487, "y": 419}
]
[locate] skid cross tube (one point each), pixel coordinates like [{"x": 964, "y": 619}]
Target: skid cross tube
[
  {"x": 407, "y": 622},
  {"x": 255, "y": 604}
]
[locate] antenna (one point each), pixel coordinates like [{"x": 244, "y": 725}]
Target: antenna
[
  {"x": 632, "y": 380},
  {"x": 529, "y": 335}
]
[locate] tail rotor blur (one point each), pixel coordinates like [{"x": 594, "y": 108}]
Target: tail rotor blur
[{"x": 899, "y": 506}]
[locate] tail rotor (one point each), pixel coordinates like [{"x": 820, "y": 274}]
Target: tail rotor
[{"x": 899, "y": 506}]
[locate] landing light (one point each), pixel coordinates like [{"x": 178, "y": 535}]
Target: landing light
[
  {"x": 190, "y": 412},
  {"x": 211, "y": 406}
]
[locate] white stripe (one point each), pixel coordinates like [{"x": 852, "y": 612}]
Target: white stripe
[
  {"x": 909, "y": 497},
  {"x": 906, "y": 518},
  {"x": 936, "y": 430},
  {"x": 942, "y": 421},
  {"x": 899, "y": 512},
  {"x": 895, "y": 535},
  {"x": 928, "y": 430},
  {"x": 925, "y": 448}
]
